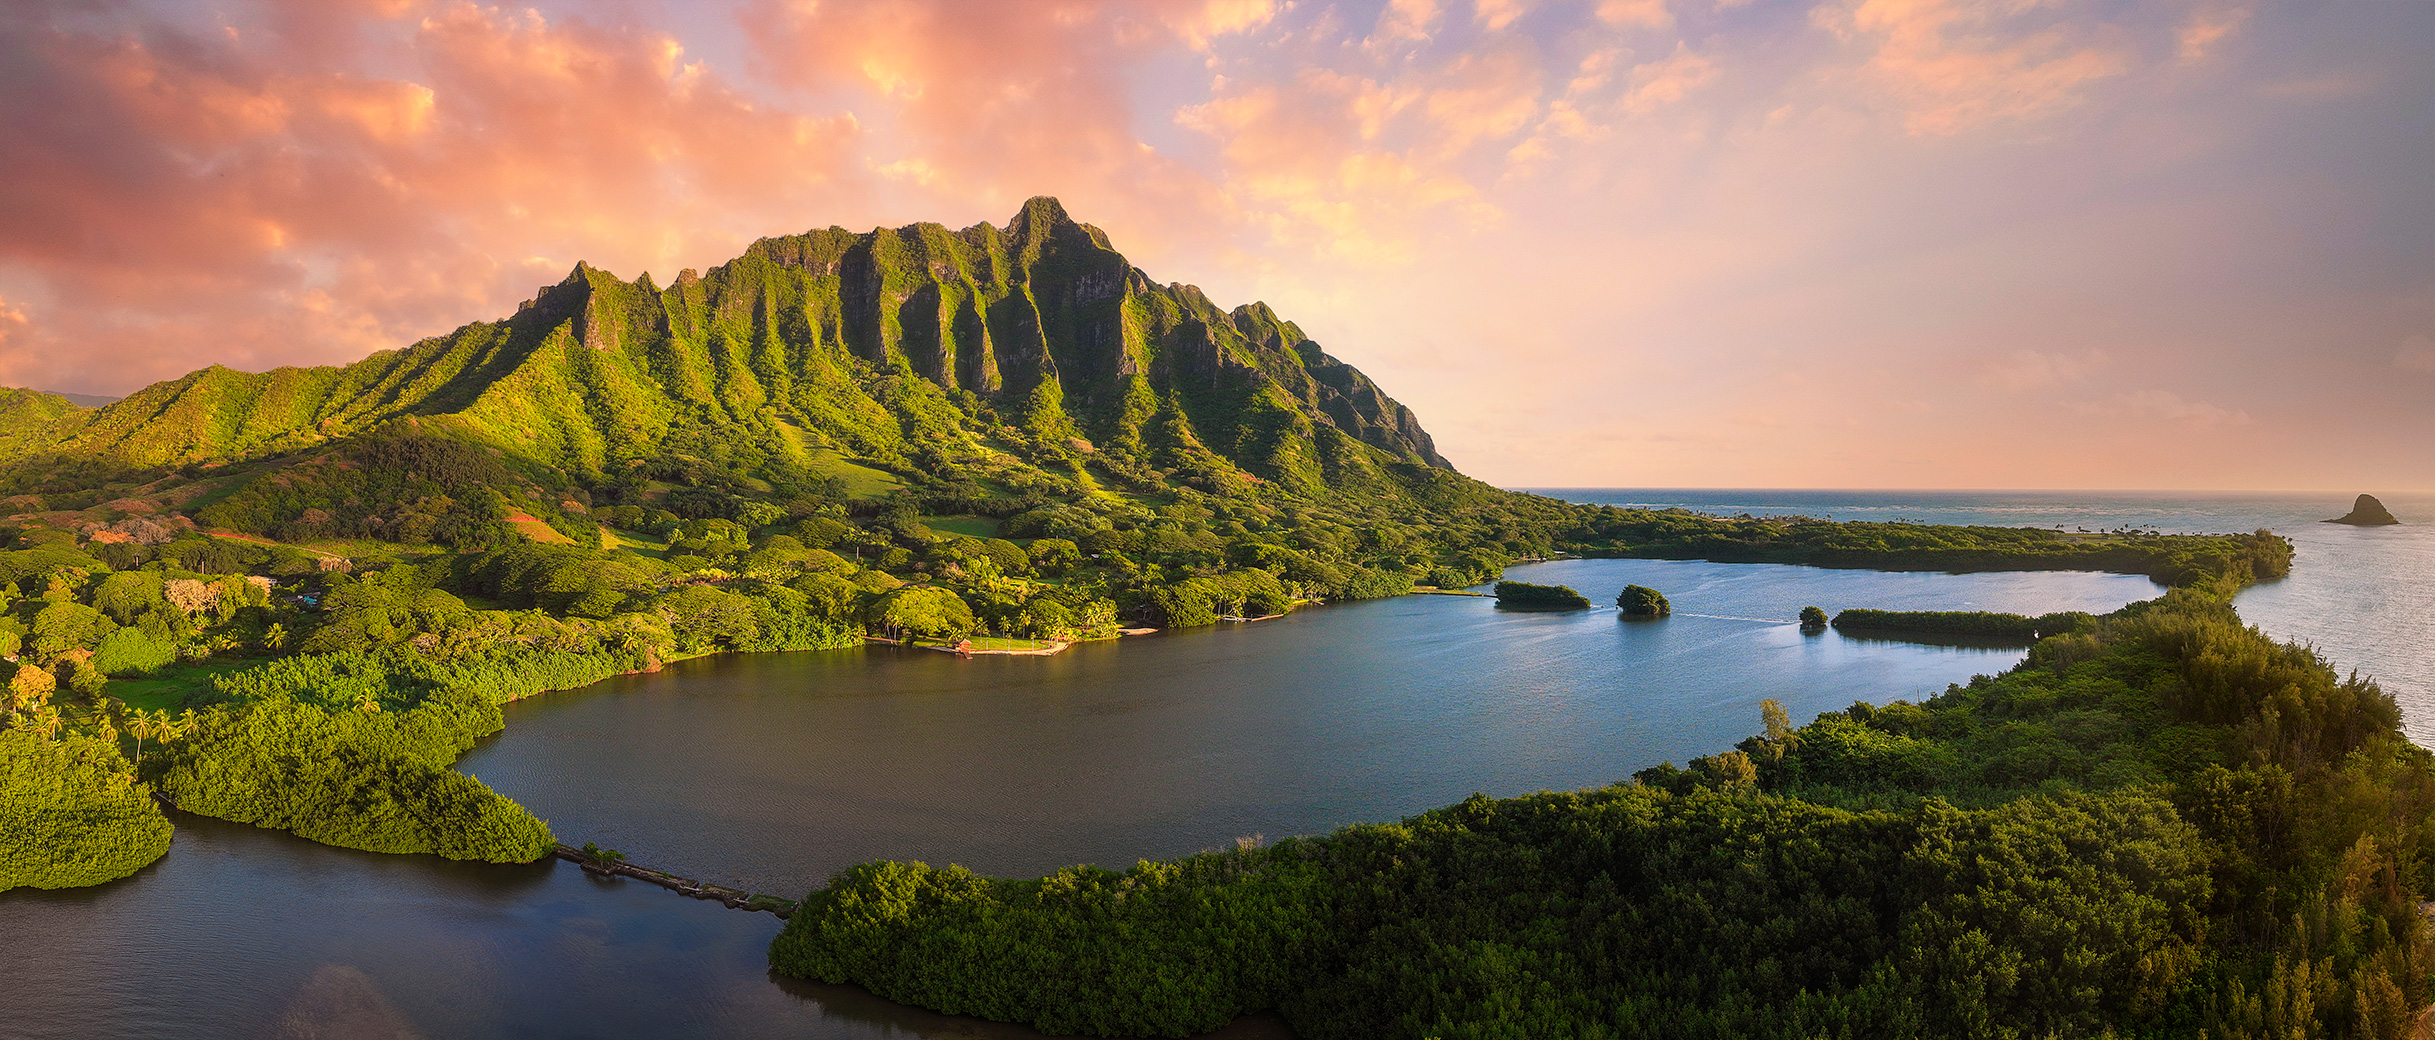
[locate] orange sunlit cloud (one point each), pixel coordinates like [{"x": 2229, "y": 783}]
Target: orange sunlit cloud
[{"x": 1593, "y": 242}]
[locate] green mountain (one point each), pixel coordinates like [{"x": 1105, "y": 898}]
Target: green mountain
[
  {"x": 1025, "y": 373},
  {"x": 27, "y": 415},
  {"x": 1036, "y": 340}
]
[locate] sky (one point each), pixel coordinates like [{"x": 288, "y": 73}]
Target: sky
[{"x": 1673, "y": 243}]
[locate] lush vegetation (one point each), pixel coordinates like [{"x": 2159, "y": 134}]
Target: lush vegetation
[
  {"x": 1643, "y": 601},
  {"x": 1522, "y": 595},
  {"x": 1679, "y": 534},
  {"x": 2162, "y": 824},
  {"x": 294, "y": 597},
  {"x": 1962, "y": 623},
  {"x": 1813, "y": 619},
  {"x": 71, "y": 812},
  {"x": 364, "y": 779}
]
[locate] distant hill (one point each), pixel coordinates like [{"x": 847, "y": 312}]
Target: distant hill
[{"x": 26, "y": 416}]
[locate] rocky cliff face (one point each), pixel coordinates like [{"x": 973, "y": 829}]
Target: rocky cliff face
[{"x": 881, "y": 344}]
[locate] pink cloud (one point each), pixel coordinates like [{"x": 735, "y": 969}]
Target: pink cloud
[
  {"x": 1648, "y": 14},
  {"x": 2208, "y": 27},
  {"x": 1903, "y": 203},
  {"x": 1305, "y": 162},
  {"x": 1495, "y": 15},
  {"x": 2039, "y": 370},
  {"x": 256, "y": 199},
  {"x": 1954, "y": 65},
  {"x": 2167, "y": 406},
  {"x": 1666, "y": 81},
  {"x": 988, "y": 104}
]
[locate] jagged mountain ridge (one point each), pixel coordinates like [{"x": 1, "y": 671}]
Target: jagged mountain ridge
[{"x": 882, "y": 344}]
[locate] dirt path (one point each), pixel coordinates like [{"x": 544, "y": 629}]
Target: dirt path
[{"x": 256, "y": 540}]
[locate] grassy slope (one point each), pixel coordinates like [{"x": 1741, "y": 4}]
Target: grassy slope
[{"x": 29, "y": 419}]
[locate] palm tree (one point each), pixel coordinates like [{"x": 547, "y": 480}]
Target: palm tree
[{"x": 141, "y": 724}]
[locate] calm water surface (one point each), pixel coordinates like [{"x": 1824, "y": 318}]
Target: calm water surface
[
  {"x": 769, "y": 772},
  {"x": 2364, "y": 596}
]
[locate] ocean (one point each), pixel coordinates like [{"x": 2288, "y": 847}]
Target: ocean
[{"x": 2364, "y": 597}]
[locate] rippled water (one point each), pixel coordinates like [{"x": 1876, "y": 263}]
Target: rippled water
[{"x": 768, "y": 772}]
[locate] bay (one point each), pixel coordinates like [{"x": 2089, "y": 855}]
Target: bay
[
  {"x": 771, "y": 772},
  {"x": 2363, "y": 596}
]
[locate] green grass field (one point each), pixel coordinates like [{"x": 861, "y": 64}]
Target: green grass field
[
  {"x": 974, "y": 526},
  {"x": 612, "y": 538},
  {"x": 1001, "y": 643},
  {"x": 167, "y": 688},
  {"x": 987, "y": 643},
  {"x": 860, "y": 481}
]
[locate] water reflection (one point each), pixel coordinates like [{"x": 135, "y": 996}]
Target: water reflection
[{"x": 769, "y": 772}]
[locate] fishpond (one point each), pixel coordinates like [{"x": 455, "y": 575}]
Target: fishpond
[{"x": 769, "y": 772}]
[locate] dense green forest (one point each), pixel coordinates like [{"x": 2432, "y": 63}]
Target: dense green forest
[
  {"x": 1961, "y": 622},
  {"x": 1522, "y": 595},
  {"x": 2162, "y": 824},
  {"x": 1679, "y": 534},
  {"x": 72, "y": 812}
]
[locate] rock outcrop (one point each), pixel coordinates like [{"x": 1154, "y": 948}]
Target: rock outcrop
[{"x": 2367, "y": 512}]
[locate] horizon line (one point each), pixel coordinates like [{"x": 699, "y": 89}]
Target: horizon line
[{"x": 1960, "y": 490}]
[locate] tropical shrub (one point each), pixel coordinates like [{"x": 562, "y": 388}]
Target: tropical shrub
[
  {"x": 71, "y": 813},
  {"x": 1521, "y": 595},
  {"x": 1643, "y": 601},
  {"x": 922, "y": 611},
  {"x": 360, "y": 777}
]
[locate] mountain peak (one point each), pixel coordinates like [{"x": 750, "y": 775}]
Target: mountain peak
[
  {"x": 1042, "y": 210},
  {"x": 917, "y": 344}
]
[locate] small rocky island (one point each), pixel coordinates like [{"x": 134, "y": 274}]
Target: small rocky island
[
  {"x": 1522, "y": 595},
  {"x": 1641, "y": 601},
  {"x": 2367, "y": 512}
]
